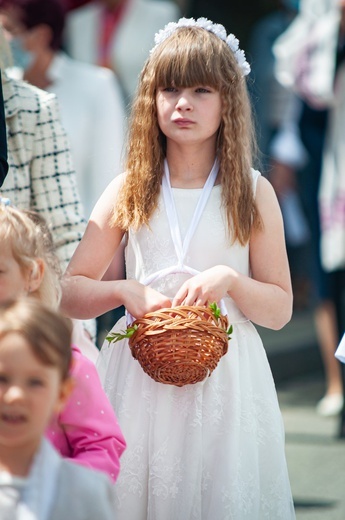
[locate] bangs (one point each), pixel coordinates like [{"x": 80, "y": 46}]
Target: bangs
[{"x": 191, "y": 57}]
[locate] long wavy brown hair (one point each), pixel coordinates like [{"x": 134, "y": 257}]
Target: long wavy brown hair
[{"x": 190, "y": 57}]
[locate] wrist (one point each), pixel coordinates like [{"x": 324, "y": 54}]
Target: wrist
[
  {"x": 117, "y": 293},
  {"x": 232, "y": 280}
]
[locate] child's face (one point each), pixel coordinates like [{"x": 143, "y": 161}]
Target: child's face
[
  {"x": 13, "y": 281},
  {"x": 30, "y": 393},
  {"x": 189, "y": 115}
]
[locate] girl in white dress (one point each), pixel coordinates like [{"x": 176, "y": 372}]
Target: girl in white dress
[{"x": 201, "y": 226}]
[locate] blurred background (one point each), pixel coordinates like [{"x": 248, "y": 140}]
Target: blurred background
[{"x": 291, "y": 132}]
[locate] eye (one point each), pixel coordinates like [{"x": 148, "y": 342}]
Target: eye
[
  {"x": 169, "y": 89},
  {"x": 203, "y": 90},
  {"x": 36, "y": 382},
  {"x": 3, "y": 379}
]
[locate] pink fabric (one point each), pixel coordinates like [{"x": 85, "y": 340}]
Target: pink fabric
[{"x": 87, "y": 430}]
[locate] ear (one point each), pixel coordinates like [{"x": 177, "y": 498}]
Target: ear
[
  {"x": 36, "y": 273},
  {"x": 66, "y": 388}
]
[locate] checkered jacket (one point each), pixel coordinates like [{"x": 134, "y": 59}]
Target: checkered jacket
[{"x": 41, "y": 174}]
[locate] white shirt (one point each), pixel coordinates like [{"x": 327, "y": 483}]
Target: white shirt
[
  {"x": 131, "y": 42},
  {"x": 93, "y": 115}
]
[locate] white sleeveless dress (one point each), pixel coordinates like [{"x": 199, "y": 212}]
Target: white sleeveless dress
[{"x": 209, "y": 451}]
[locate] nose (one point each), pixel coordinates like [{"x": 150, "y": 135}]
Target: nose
[
  {"x": 14, "y": 393},
  {"x": 184, "y": 101}
]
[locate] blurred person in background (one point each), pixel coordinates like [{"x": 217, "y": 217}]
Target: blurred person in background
[
  {"x": 272, "y": 102},
  {"x": 3, "y": 139},
  {"x": 41, "y": 175},
  {"x": 310, "y": 61},
  {"x": 332, "y": 184},
  {"x": 270, "y": 99},
  {"x": 89, "y": 97},
  {"x": 117, "y": 34}
]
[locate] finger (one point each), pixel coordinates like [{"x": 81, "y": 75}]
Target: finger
[
  {"x": 179, "y": 298},
  {"x": 190, "y": 299}
]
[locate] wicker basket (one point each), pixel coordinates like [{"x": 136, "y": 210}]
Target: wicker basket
[{"x": 180, "y": 345}]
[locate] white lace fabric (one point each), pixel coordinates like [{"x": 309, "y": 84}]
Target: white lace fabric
[{"x": 209, "y": 451}]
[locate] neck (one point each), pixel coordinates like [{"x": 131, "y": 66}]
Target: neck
[
  {"x": 17, "y": 460},
  {"x": 36, "y": 74},
  {"x": 189, "y": 169}
]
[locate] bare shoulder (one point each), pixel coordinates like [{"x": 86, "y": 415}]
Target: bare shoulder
[
  {"x": 264, "y": 189},
  {"x": 105, "y": 204},
  {"x": 269, "y": 210},
  {"x": 266, "y": 199}
]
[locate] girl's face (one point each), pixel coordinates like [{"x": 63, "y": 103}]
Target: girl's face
[
  {"x": 13, "y": 281},
  {"x": 189, "y": 115},
  {"x": 30, "y": 393}
]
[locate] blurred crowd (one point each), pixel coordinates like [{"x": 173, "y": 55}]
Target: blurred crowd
[
  {"x": 69, "y": 72},
  {"x": 298, "y": 95}
]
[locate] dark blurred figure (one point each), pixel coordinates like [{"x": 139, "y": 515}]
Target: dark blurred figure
[
  {"x": 73, "y": 4},
  {"x": 237, "y": 16},
  {"x": 269, "y": 98},
  {"x": 3, "y": 139},
  {"x": 272, "y": 104},
  {"x": 310, "y": 61}
]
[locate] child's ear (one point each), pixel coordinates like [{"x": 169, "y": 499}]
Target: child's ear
[
  {"x": 66, "y": 389},
  {"x": 36, "y": 274}
]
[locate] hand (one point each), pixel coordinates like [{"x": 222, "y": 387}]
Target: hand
[
  {"x": 206, "y": 287},
  {"x": 139, "y": 299}
]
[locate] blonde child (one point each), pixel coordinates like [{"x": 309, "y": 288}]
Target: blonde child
[
  {"x": 86, "y": 430},
  {"x": 201, "y": 226},
  {"x": 35, "y": 482}
]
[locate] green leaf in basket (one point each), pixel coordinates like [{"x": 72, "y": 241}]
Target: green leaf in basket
[
  {"x": 215, "y": 310},
  {"x": 229, "y": 331},
  {"x": 217, "y": 313},
  {"x": 113, "y": 337}
]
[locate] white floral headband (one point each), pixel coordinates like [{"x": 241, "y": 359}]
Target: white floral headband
[{"x": 216, "y": 28}]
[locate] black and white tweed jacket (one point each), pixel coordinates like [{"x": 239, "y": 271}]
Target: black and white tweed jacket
[{"x": 41, "y": 174}]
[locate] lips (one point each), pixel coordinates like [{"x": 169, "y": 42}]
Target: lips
[
  {"x": 183, "y": 122},
  {"x": 13, "y": 418}
]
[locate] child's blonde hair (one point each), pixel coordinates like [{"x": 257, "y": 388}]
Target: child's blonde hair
[
  {"x": 48, "y": 333},
  {"x": 29, "y": 238},
  {"x": 190, "y": 57}
]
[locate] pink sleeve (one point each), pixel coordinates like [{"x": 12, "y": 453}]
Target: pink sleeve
[{"x": 89, "y": 421}]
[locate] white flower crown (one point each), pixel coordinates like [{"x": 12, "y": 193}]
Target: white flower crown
[{"x": 216, "y": 28}]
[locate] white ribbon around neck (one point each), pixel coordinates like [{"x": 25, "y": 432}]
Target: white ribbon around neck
[{"x": 181, "y": 248}]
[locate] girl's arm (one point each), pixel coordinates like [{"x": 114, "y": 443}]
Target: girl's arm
[
  {"x": 88, "y": 424},
  {"x": 265, "y": 297},
  {"x": 85, "y": 294}
]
